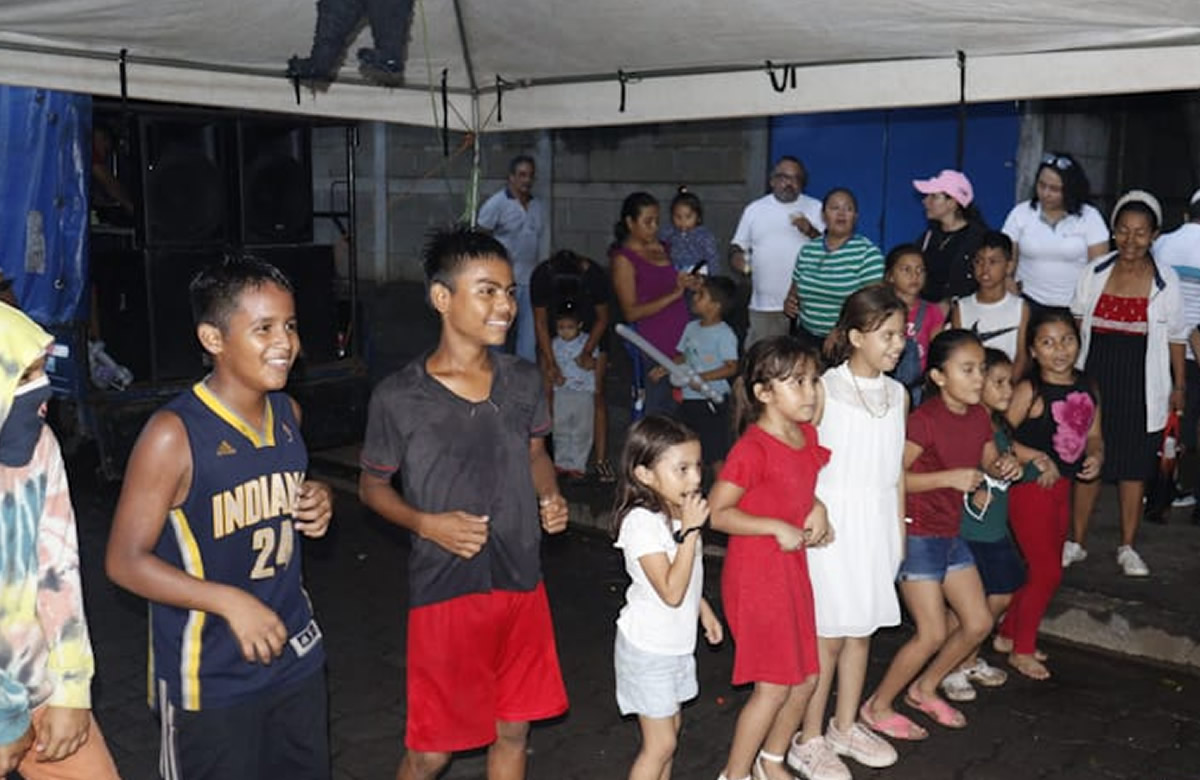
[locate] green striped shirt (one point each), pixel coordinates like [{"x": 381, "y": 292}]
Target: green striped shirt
[{"x": 824, "y": 279}]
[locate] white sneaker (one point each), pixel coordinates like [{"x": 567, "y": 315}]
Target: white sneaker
[
  {"x": 984, "y": 673},
  {"x": 816, "y": 760},
  {"x": 957, "y": 687},
  {"x": 1072, "y": 553},
  {"x": 1184, "y": 501},
  {"x": 1131, "y": 563}
]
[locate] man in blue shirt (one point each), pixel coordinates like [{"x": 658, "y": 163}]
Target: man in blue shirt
[{"x": 517, "y": 220}]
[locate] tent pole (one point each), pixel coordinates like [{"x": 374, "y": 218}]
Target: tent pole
[{"x": 473, "y": 183}]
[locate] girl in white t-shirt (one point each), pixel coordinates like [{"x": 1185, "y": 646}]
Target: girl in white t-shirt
[{"x": 659, "y": 515}]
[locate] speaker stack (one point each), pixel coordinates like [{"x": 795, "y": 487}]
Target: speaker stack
[{"x": 210, "y": 184}]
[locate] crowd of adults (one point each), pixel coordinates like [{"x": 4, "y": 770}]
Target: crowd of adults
[{"x": 1134, "y": 293}]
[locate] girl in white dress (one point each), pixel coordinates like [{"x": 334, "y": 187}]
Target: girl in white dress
[{"x": 862, "y": 422}]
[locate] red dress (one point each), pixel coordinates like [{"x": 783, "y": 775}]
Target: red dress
[{"x": 766, "y": 592}]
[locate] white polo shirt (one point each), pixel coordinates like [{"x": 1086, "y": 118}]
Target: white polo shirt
[
  {"x": 1051, "y": 257},
  {"x": 518, "y": 227},
  {"x": 1180, "y": 249},
  {"x": 771, "y": 242}
]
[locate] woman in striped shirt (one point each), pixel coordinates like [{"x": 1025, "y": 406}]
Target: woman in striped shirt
[{"x": 828, "y": 271}]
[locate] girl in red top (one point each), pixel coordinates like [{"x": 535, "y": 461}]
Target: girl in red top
[
  {"x": 764, "y": 501},
  {"x": 948, "y": 447}
]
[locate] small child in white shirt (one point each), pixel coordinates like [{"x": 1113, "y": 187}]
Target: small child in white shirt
[{"x": 574, "y": 396}]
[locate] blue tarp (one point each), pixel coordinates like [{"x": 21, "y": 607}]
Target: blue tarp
[{"x": 45, "y": 171}]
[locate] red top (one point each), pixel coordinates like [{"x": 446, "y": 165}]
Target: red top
[
  {"x": 947, "y": 441},
  {"x": 1118, "y": 314}
]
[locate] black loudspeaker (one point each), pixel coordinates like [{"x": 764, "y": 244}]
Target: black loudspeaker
[
  {"x": 311, "y": 271},
  {"x": 184, "y": 168},
  {"x": 276, "y": 182},
  {"x": 176, "y": 353},
  {"x": 122, "y": 308}
]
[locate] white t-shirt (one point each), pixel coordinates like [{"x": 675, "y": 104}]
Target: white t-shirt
[
  {"x": 997, "y": 324},
  {"x": 771, "y": 242},
  {"x": 1180, "y": 249},
  {"x": 646, "y": 620},
  {"x": 1050, "y": 257}
]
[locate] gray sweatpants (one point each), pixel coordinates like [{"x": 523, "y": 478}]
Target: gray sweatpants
[{"x": 574, "y": 418}]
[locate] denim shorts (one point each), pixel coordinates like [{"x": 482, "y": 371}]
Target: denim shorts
[
  {"x": 1000, "y": 566},
  {"x": 650, "y": 684},
  {"x": 931, "y": 557}
]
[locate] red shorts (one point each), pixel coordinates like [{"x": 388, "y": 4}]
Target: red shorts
[{"x": 477, "y": 659}]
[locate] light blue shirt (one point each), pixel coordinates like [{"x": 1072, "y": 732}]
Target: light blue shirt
[
  {"x": 518, "y": 227},
  {"x": 577, "y": 378},
  {"x": 706, "y": 348}
]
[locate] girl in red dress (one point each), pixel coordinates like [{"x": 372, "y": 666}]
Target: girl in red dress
[{"x": 764, "y": 501}]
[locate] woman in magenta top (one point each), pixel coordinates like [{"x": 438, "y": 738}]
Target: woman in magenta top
[{"x": 648, "y": 288}]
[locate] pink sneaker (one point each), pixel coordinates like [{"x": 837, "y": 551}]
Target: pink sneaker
[
  {"x": 863, "y": 745},
  {"x": 816, "y": 760}
]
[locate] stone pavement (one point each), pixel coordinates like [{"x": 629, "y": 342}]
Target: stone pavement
[{"x": 1102, "y": 716}]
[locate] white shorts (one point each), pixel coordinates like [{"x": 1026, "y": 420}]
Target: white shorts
[{"x": 650, "y": 684}]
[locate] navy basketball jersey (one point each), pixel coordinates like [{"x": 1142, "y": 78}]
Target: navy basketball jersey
[{"x": 235, "y": 527}]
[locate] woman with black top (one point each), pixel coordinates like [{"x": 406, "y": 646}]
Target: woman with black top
[{"x": 954, "y": 234}]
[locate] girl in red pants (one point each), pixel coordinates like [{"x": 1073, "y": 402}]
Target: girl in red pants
[{"x": 1055, "y": 410}]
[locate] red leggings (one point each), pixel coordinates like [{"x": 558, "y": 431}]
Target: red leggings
[{"x": 1039, "y": 518}]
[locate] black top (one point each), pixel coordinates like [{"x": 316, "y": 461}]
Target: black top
[
  {"x": 453, "y": 454},
  {"x": 554, "y": 283},
  {"x": 948, "y": 259},
  {"x": 1061, "y": 429}
]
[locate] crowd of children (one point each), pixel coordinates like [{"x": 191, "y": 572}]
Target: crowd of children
[
  {"x": 929, "y": 463},
  {"x": 913, "y": 461}
]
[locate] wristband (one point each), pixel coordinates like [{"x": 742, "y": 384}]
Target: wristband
[{"x": 681, "y": 535}]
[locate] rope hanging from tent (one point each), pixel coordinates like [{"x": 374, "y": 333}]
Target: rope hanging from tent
[
  {"x": 623, "y": 80},
  {"x": 445, "y": 115},
  {"x": 961, "y": 148}
]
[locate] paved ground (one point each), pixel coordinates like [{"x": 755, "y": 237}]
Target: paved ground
[{"x": 1101, "y": 717}]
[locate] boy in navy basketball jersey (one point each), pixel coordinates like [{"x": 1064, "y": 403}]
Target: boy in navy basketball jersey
[
  {"x": 207, "y": 529},
  {"x": 463, "y": 426}
]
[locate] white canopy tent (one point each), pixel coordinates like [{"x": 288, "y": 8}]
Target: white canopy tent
[{"x": 568, "y": 63}]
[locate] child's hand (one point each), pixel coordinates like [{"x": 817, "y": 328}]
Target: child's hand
[
  {"x": 460, "y": 533},
  {"x": 714, "y": 632},
  {"x": 313, "y": 509},
  {"x": 1006, "y": 467},
  {"x": 979, "y": 498},
  {"x": 553, "y": 511},
  {"x": 1091, "y": 467},
  {"x": 657, "y": 373},
  {"x": 61, "y": 733},
  {"x": 789, "y": 537},
  {"x": 12, "y": 753},
  {"x": 259, "y": 631},
  {"x": 695, "y": 511},
  {"x": 1049, "y": 470},
  {"x": 964, "y": 480},
  {"x": 817, "y": 530}
]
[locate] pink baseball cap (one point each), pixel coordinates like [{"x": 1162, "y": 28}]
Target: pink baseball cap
[{"x": 951, "y": 182}]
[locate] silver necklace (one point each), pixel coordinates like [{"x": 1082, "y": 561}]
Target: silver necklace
[{"x": 887, "y": 404}]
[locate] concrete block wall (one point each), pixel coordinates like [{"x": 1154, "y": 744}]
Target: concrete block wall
[{"x": 406, "y": 186}]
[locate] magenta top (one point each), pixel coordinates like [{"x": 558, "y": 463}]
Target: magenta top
[{"x": 663, "y": 328}]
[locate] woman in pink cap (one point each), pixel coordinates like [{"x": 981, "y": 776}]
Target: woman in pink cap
[{"x": 955, "y": 231}]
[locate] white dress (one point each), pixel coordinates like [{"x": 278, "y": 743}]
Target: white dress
[{"x": 853, "y": 578}]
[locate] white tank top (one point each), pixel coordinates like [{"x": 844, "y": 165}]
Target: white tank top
[{"x": 996, "y": 323}]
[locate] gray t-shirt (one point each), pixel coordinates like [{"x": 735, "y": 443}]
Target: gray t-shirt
[{"x": 453, "y": 454}]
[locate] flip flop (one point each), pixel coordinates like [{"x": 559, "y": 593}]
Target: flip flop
[
  {"x": 1029, "y": 665},
  {"x": 938, "y": 709},
  {"x": 896, "y": 726}
]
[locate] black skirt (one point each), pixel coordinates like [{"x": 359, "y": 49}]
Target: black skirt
[{"x": 1117, "y": 363}]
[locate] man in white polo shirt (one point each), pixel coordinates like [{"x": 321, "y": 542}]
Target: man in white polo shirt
[
  {"x": 768, "y": 238},
  {"x": 517, "y": 220},
  {"x": 1180, "y": 249}
]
